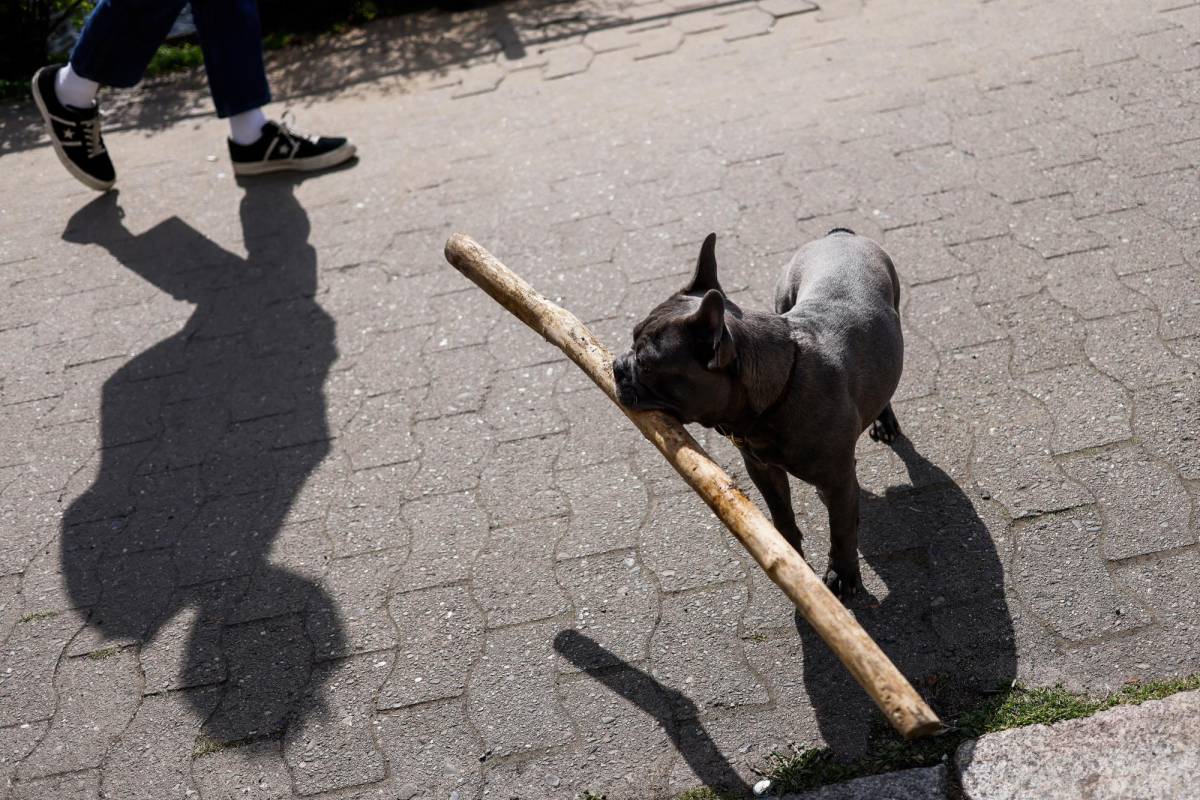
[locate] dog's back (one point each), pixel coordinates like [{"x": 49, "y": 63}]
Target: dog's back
[{"x": 842, "y": 293}]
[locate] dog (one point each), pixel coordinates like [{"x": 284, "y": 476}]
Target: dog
[{"x": 793, "y": 390}]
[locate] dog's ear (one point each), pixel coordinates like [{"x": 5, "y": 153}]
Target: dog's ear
[
  {"x": 705, "y": 276},
  {"x": 708, "y": 324}
]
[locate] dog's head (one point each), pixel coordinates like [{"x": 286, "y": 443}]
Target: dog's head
[{"x": 684, "y": 360}]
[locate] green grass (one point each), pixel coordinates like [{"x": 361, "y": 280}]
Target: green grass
[
  {"x": 704, "y": 793},
  {"x": 173, "y": 58},
  {"x": 100, "y": 655},
  {"x": 1012, "y": 708},
  {"x": 38, "y": 615},
  {"x": 206, "y": 745}
]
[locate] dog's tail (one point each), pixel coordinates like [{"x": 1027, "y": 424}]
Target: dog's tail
[{"x": 841, "y": 230}]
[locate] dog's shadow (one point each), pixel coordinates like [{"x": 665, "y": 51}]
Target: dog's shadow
[
  {"x": 207, "y": 438},
  {"x": 936, "y": 606}
]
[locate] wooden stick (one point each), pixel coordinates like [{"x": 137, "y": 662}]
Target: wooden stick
[{"x": 894, "y": 695}]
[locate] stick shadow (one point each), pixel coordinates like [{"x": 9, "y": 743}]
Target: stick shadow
[
  {"x": 673, "y": 710},
  {"x": 206, "y": 440},
  {"x": 943, "y": 620}
]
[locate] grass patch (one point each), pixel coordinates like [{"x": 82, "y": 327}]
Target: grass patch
[
  {"x": 173, "y": 58},
  {"x": 100, "y": 655},
  {"x": 1014, "y": 707},
  {"x": 704, "y": 793},
  {"x": 38, "y": 615},
  {"x": 206, "y": 745}
]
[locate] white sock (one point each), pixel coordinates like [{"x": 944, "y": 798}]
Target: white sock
[
  {"x": 246, "y": 128},
  {"x": 73, "y": 90}
]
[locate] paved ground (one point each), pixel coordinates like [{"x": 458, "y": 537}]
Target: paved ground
[{"x": 290, "y": 509}]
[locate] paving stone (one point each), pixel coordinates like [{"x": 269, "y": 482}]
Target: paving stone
[
  {"x": 448, "y": 533},
  {"x": 1061, "y": 575},
  {"x": 1087, "y": 284},
  {"x": 96, "y": 697},
  {"x": 563, "y": 62},
  {"x": 254, "y": 771},
  {"x": 520, "y": 405},
  {"x": 945, "y": 314},
  {"x": 923, "y": 783},
  {"x": 943, "y": 438},
  {"x": 615, "y": 606},
  {"x": 1012, "y": 460},
  {"x": 705, "y": 664},
  {"x": 1044, "y": 333},
  {"x": 443, "y": 633},
  {"x": 1088, "y": 409},
  {"x": 459, "y": 380},
  {"x": 921, "y": 256},
  {"x": 514, "y": 578},
  {"x": 457, "y": 447},
  {"x": 1156, "y": 425},
  {"x": 608, "y": 506},
  {"x": 1141, "y": 749},
  {"x": 1005, "y": 269},
  {"x": 380, "y": 434},
  {"x": 517, "y": 482},
  {"x": 620, "y": 712},
  {"x": 686, "y": 546},
  {"x": 332, "y": 746},
  {"x": 1156, "y": 516},
  {"x": 359, "y": 622},
  {"x": 1137, "y": 241},
  {"x": 598, "y": 431},
  {"x": 1128, "y": 349},
  {"x": 432, "y": 750},
  {"x": 83, "y": 785},
  {"x": 16, "y": 742},
  {"x": 521, "y": 658},
  {"x": 1176, "y": 293},
  {"x": 268, "y": 664},
  {"x": 185, "y": 650},
  {"x": 32, "y": 653},
  {"x": 154, "y": 755}
]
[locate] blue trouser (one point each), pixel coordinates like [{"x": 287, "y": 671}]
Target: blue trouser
[{"x": 121, "y": 36}]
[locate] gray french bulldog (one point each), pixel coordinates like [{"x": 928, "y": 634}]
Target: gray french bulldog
[{"x": 794, "y": 389}]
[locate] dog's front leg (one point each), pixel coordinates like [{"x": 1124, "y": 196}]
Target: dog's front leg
[
  {"x": 841, "y": 500},
  {"x": 772, "y": 482}
]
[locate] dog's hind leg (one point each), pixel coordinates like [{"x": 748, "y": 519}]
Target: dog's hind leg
[
  {"x": 772, "y": 482},
  {"x": 886, "y": 428}
]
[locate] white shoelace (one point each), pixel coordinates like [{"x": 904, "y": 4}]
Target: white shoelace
[{"x": 92, "y": 141}]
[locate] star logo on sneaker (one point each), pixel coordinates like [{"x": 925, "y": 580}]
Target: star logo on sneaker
[
  {"x": 68, "y": 134},
  {"x": 283, "y": 149}
]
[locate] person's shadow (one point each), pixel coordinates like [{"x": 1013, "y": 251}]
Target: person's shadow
[
  {"x": 206, "y": 440},
  {"x": 943, "y": 621}
]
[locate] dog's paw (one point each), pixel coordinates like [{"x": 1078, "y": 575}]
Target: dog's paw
[
  {"x": 886, "y": 428},
  {"x": 845, "y": 586}
]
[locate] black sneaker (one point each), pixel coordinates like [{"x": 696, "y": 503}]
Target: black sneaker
[
  {"x": 280, "y": 149},
  {"x": 75, "y": 133}
]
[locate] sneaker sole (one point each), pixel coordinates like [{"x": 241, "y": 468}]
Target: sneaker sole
[
  {"x": 324, "y": 161},
  {"x": 78, "y": 174}
]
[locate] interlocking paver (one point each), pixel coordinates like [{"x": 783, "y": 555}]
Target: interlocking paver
[
  {"x": 154, "y": 755},
  {"x": 703, "y": 663},
  {"x": 97, "y": 695},
  {"x": 279, "y": 482},
  {"x": 1060, "y": 573},
  {"x": 334, "y": 746},
  {"x": 1154, "y": 516},
  {"x": 615, "y": 604},
  {"x": 512, "y": 723}
]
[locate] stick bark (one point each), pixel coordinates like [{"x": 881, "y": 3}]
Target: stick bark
[{"x": 890, "y": 690}]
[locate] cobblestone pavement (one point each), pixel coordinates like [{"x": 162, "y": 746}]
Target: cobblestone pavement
[{"x": 289, "y": 508}]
